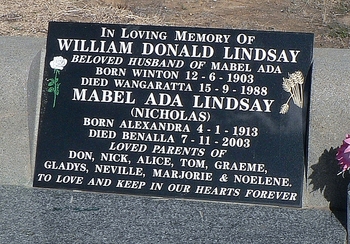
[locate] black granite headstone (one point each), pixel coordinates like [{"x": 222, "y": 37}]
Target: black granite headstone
[{"x": 212, "y": 114}]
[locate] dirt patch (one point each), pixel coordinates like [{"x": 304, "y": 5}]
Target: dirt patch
[{"x": 328, "y": 20}]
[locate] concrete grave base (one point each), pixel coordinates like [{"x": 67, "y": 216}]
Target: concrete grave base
[{"x": 30, "y": 215}]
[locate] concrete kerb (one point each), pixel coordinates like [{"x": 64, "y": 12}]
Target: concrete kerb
[
  {"x": 22, "y": 62},
  {"x": 18, "y": 65},
  {"x": 20, "y": 78}
]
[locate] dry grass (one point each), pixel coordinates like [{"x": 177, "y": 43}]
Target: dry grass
[
  {"x": 31, "y": 17},
  {"x": 329, "y": 20}
]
